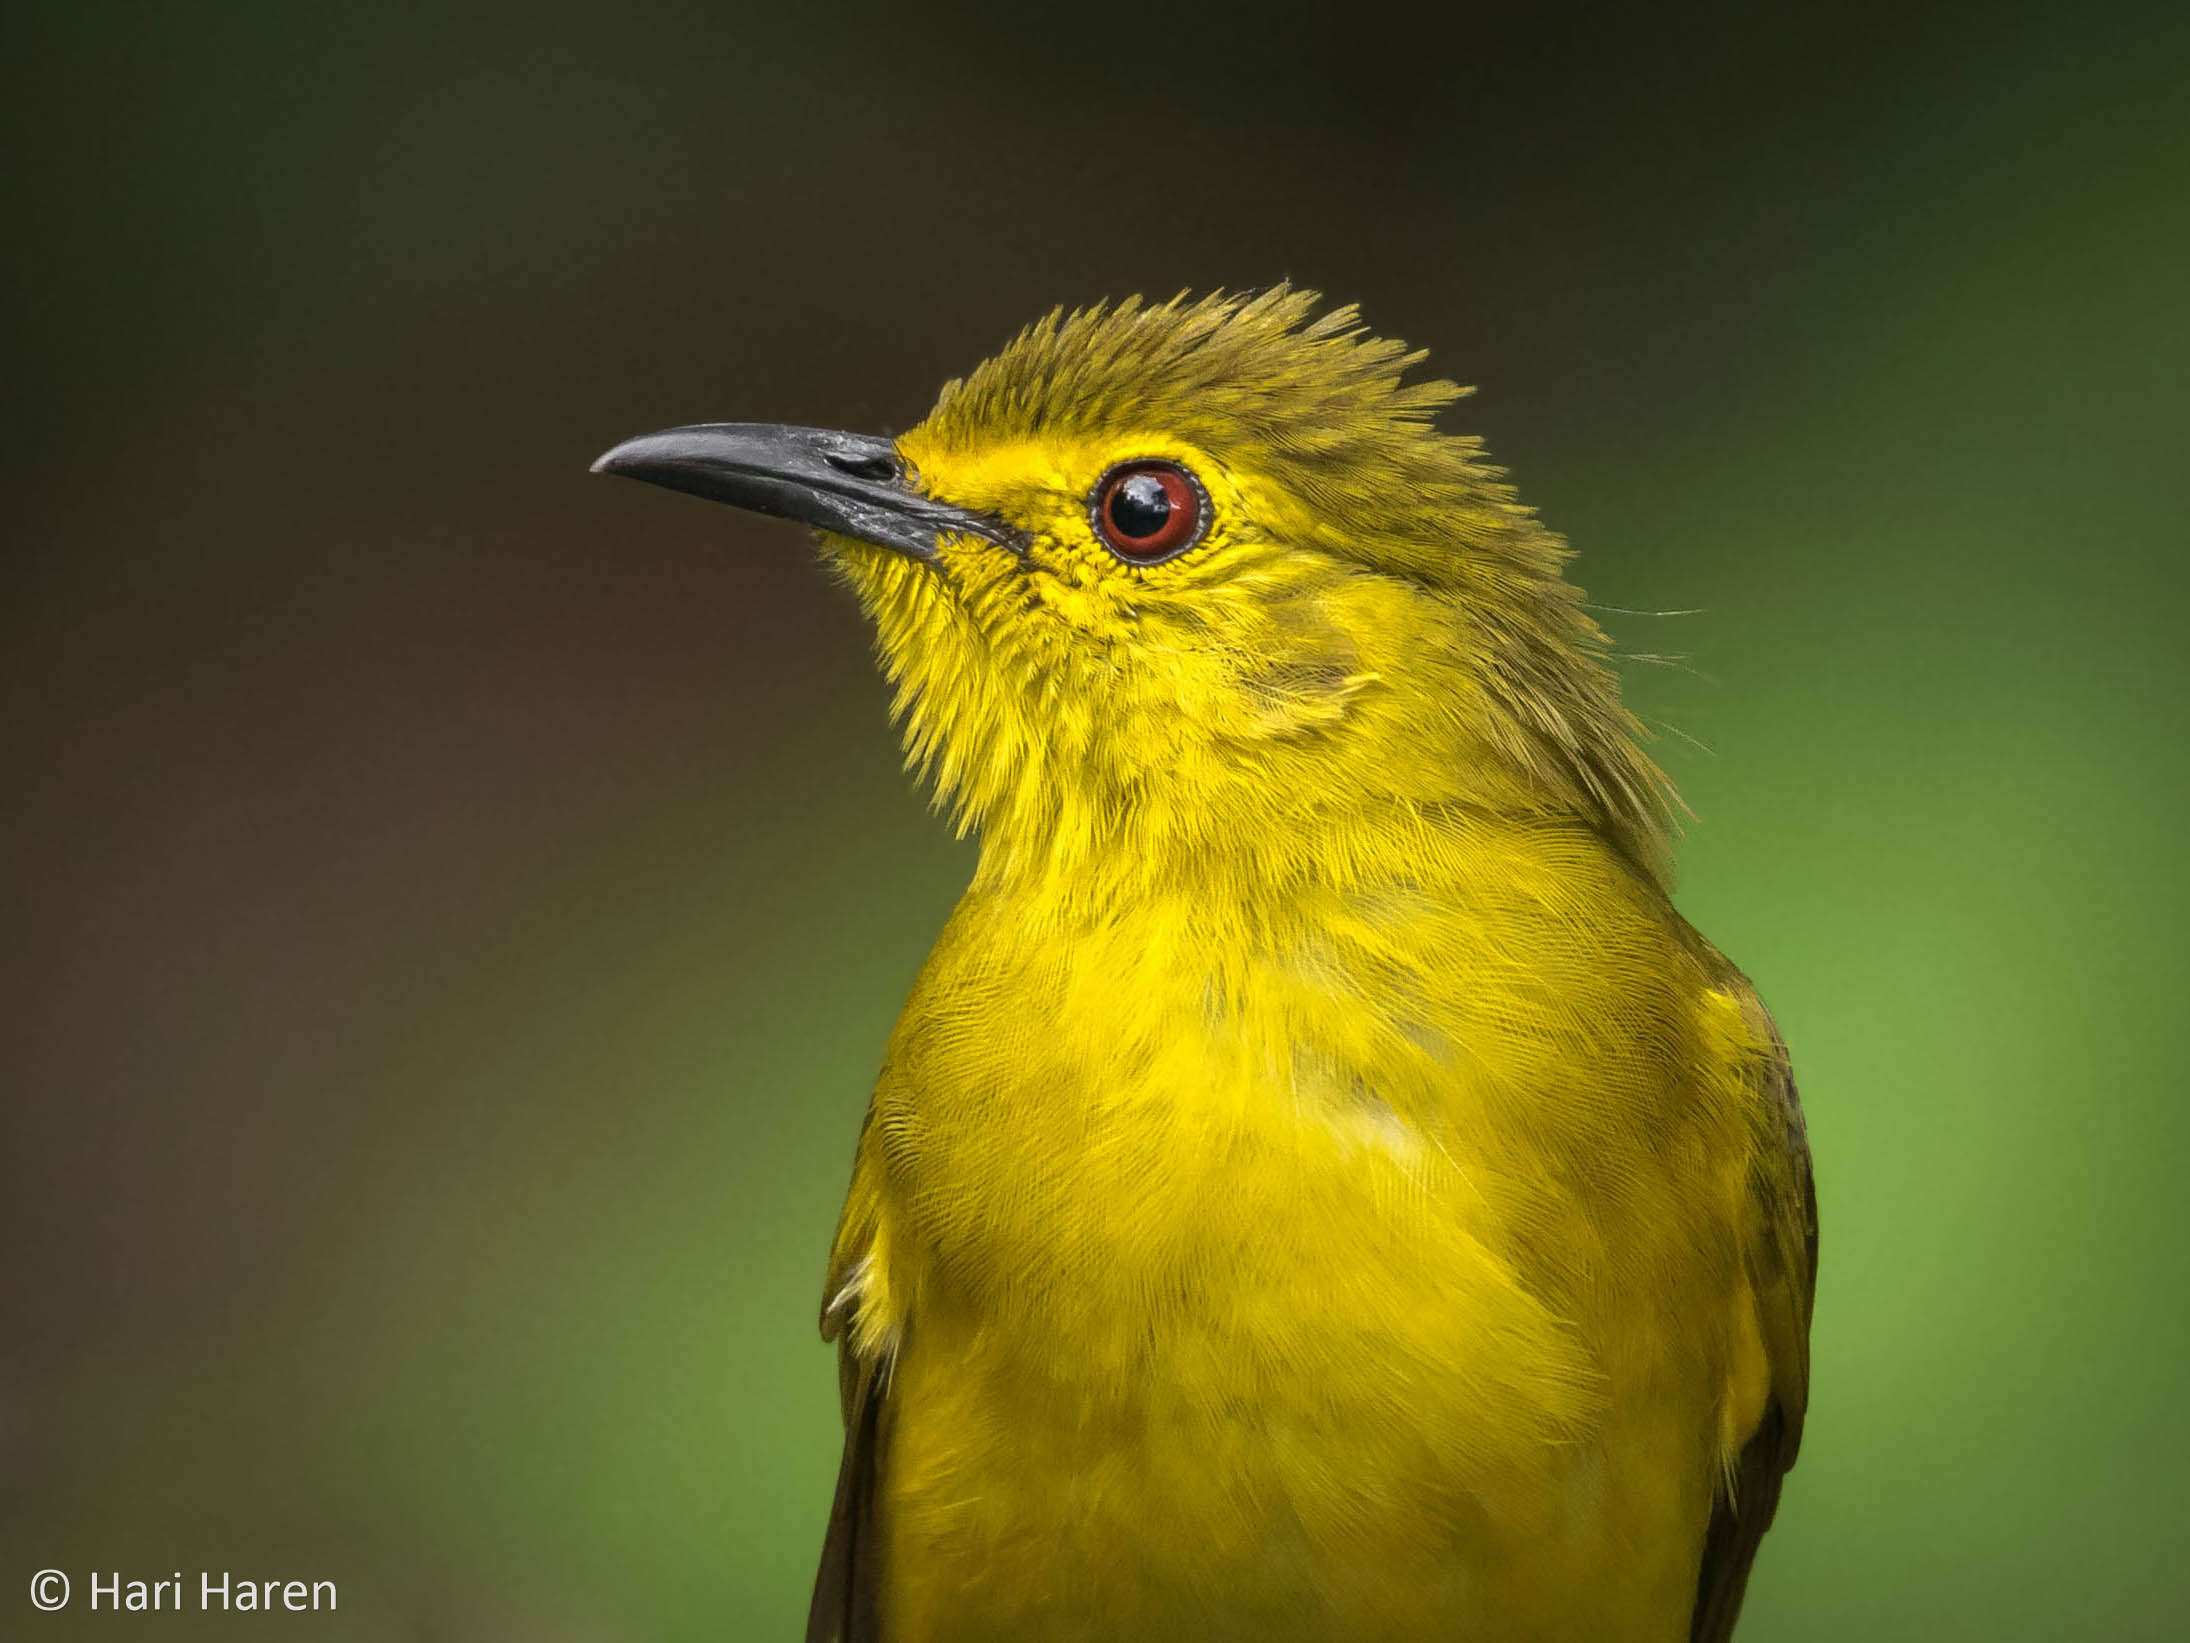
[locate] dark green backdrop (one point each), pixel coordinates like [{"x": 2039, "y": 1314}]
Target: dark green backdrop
[{"x": 453, "y": 907}]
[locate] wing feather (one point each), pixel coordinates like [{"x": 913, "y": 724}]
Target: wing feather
[
  {"x": 844, "y": 1607},
  {"x": 847, "y": 1585},
  {"x": 1783, "y": 1277}
]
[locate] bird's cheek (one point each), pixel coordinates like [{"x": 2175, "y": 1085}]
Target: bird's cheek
[
  {"x": 1295, "y": 698},
  {"x": 1087, "y": 607}
]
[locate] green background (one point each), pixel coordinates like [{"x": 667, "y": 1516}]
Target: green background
[{"x": 453, "y": 907}]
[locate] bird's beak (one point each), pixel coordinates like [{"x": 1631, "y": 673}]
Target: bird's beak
[{"x": 852, "y": 484}]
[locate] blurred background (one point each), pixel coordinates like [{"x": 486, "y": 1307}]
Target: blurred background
[{"x": 453, "y": 907}]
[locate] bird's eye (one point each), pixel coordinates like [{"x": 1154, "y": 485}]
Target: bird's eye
[{"x": 1149, "y": 511}]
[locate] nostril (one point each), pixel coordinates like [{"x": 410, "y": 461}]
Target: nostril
[{"x": 863, "y": 467}]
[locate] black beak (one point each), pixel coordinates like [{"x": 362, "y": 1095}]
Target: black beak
[{"x": 853, "y": 484}]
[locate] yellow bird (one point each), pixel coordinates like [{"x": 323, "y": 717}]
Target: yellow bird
[{"x": 1319, "y": 1187}]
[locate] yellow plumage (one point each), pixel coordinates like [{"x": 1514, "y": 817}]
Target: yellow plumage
[{"x": 1319, "y": 1187}]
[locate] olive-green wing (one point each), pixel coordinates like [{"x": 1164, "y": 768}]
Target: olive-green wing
[
  {"x": 847, "y": 1586},
  {"x": 1783, "y": 1275},
  {"x": 844, "y": 1606}
]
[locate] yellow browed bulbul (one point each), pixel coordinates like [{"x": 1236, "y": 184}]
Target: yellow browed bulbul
[{"x": 1319, "y": 1187}]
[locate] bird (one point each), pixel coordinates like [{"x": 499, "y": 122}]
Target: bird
[{"x": 1319, "y": 1187}]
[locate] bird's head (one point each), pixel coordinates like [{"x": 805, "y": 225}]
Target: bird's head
[{"x": 1158, "y": 581}]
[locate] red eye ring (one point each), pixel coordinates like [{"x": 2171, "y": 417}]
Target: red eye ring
[{"x": 1147, "y": 512}]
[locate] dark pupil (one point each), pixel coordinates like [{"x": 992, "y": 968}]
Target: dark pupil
[{"x": 1140, "y": 506}]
